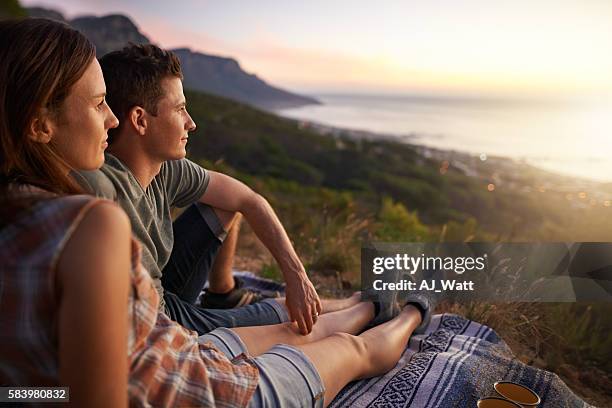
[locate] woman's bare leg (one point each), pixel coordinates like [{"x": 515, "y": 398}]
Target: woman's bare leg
[
  {"x": 341, "y": 358},
  {"x": 259, "y": 339}
]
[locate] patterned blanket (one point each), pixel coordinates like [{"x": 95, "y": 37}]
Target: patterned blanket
[{"x": 453, "y": 364}]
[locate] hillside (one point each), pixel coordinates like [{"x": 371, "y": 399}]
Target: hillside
[{"x": 263, "y": 144}]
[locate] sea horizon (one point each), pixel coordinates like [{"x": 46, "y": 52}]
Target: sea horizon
[{"x": 568, "y": 137}]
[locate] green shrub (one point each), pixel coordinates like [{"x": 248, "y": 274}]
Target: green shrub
[{"x": 397, "y": 224}]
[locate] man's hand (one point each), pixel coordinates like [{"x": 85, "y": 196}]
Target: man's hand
[{"x": 302, "y": 302}]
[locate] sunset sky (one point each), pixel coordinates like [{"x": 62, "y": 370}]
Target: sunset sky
[{"x": 536, "y": 47}]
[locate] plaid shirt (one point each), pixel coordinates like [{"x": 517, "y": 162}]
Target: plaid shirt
[{"x": 169, "y": 366}]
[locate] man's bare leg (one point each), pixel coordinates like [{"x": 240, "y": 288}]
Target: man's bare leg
[
  {"x": 261, "y": 338},
  {"x": 333, "y": 305},
  {"x": 221, "y": 278}
]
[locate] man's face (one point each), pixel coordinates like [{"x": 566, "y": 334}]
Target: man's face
[{"x": 167, "y": 131}]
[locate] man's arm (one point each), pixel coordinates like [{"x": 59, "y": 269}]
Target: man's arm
[{"x": 230, "y": 195}]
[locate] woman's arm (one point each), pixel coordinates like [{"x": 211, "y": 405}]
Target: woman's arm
[{"x": 93, "y": 276}]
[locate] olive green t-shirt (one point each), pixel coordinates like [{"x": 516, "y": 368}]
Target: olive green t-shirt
[{"x": 178, "y": 184}]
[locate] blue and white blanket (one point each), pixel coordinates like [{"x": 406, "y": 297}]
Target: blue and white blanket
[{"x": 453, "y": 364}]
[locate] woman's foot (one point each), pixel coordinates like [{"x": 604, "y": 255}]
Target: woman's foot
[
  {"x": 426, "y": 304},
  {"x": 387, "y": 306}
]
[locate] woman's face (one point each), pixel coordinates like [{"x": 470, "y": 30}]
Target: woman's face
[{"x": 80, "y": 129}]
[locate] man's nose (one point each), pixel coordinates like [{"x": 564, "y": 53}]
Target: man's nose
[{"x": 191, "y": 126}]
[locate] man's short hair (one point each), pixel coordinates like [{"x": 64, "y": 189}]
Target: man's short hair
[{"x": 133, "y": 78}]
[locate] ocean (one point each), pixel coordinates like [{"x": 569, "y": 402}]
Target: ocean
[{"x": 570, "y": 138}]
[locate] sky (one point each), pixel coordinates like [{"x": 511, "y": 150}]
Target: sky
[{"x": 536, "y": 47}]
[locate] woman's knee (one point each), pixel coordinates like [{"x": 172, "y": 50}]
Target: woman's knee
[
  {"x": 289, "y": 333},
  {"x": 353, "y": 343}
]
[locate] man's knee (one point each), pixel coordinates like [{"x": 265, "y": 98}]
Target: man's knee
[{"x": 236, "y": 222}]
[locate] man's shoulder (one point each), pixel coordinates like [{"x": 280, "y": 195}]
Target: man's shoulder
[
  {"x": 172, "y": 171},
  {"x": 184, "y": 181},
  {"x": 98, "y": 183}
]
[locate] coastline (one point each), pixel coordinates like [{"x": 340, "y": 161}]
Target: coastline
[
  {"x": 563, "y": 136},
  {"x": 503, "y": 172}
]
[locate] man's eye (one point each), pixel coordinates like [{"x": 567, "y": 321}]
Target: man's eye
[{"x": 101, "y": 103}]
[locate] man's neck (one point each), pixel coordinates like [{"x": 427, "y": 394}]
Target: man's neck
[{"x": 143, "y": 167}]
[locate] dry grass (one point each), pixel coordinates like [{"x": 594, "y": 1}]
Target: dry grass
[{"x": 552, "y": 337}]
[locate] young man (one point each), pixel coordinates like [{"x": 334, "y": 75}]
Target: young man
[{"x": 147, "y": 173}]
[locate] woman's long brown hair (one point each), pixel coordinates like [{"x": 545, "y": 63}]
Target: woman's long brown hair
[{"x": 40, "y": 61}]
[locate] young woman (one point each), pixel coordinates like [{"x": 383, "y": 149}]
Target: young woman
[{"x": 76, "y": 307}]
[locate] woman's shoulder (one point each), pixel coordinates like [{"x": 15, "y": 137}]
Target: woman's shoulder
[
  {"x": 58, "y": 218},
  {"x": 96, "y": 220},
  {"x": 31, "y": 211},
  {"x": 100, "y": 232},
  {"x": 101, "y": 215},
  {"x": 67, "y": 212}
]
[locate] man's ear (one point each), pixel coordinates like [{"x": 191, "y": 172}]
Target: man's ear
[
  {"x": 137, "y": 119},
  {"x": 41, "y": 128}
]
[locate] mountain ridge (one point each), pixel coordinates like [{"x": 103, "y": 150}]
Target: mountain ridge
[{"x": 222, "y": 76}]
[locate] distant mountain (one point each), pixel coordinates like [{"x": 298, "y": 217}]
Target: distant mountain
[
  {"x": 109, "y": 33},
  {"x": 40, "y": 12},
  {"x": 224, "y": 77},
  {"x": 208, "y": 73}
]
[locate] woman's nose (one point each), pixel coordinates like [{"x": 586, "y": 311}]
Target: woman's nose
[{"x": 112, "y": 120}]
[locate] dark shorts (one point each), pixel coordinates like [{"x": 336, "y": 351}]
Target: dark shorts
[{"x": 198, "y": 236}]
